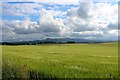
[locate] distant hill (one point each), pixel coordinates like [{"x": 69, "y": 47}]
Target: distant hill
[
  {"x": 55, "y": 41},
  {"x": 64, "y": 40}
]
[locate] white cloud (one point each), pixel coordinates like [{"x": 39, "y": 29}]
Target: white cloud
[
  {"x": 21, "y": 9},
  {"x": 87, "y": 20},
  {"x": 84, "y": 10},
  {"x": 93, "y": 20},
  {"x": 50, "y": 25},
  {"x": 113, "y": 26},
  {"x": 46, "y": 26},
  {"x": 65, "y": 0},
  {"x": 47, "y": 1}
]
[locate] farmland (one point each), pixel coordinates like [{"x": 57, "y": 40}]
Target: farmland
[{"x": 61, "y": 61}]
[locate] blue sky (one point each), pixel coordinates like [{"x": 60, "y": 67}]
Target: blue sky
[
  {"x": 55, "y": 7},
  {"x": 33, "y": 19},
  {"x": 58, "y": 0}
]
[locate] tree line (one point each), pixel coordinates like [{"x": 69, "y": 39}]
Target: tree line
[{"x": 30, "y": 43}]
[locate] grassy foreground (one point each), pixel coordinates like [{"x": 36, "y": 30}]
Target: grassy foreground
[{"x": 61, "y": 61}]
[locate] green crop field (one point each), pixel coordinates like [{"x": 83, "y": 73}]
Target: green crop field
[{"x": 61, "y": 61}]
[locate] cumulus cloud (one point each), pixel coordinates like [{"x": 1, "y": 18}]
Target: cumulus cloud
[
  {"x": 46, "y": 26},
  {"x": 50, "y": 25},
  {"x": 21, "y": 9},
  {"x": 27, "y": 27},
  {"x": 47, "y": 1},
  {"x": 84, "y": 10},
  {"x": 63, "y": 1},
  {"x": 72, "y": 12},
  {"x": 113, "y": 26},
  {"x": 92, "y": 20},
  {"x": 88, "y": 20}
]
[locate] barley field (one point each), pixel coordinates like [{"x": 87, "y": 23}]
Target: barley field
[{"x": 60, "y": 61}]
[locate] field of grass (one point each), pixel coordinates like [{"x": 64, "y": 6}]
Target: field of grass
[{"x": 61, "y": 61}]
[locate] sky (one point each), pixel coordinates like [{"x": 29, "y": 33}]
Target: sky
[{"x": 27, "y": 20}]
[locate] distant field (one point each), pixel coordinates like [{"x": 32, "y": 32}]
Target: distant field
[{"x": 61, "y": 61}]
